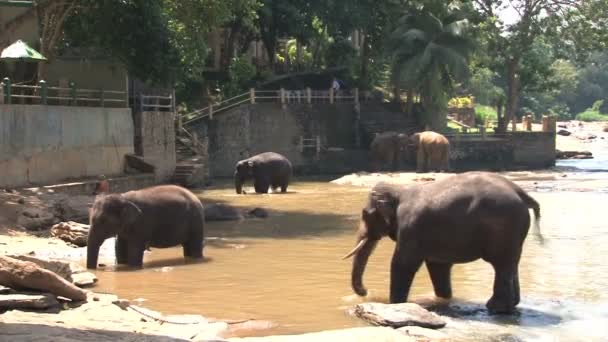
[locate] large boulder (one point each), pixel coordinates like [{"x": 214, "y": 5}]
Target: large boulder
[
  {"x": 36, "y": 218},
  {"x": 573, "y": 154},
  {"x": 398, "y": 315},
  {"x": 28, "y": 301},
  {"x": 71, "y": 232},
  {"x": 72, "y": 272}
]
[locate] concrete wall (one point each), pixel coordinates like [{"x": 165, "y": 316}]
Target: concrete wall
[
  {"x": 252, "y": 129},
  {"x": 155, "y": 142},
  {"x": 44, "y": 144},
  {"x": 88, "y": 74}
]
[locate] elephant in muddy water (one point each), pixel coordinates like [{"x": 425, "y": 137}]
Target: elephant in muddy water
[
  {"x": 432, "y": 151},
  {"x": 387, "y": 149},
  {"x": 459, "y": 219},
  {"x": 159, "y": 216},
  {"x": 268, "y": 170}
]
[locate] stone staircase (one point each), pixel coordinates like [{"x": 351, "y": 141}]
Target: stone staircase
[{"x": 190, "y": 168}]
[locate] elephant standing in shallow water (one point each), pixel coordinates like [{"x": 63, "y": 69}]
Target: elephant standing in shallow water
[
  {"x": 268, "y": 170},
  {"x": 160, "y": 216},
  {"x": 387, "y": 149},
  {"x": 455, "y": 220},
  {"x": 432, "y": 151}
]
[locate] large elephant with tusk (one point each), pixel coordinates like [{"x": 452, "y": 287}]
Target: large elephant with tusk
[{"x": 455, "y": 220}]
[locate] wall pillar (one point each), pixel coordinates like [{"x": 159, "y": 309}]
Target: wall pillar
[{"x": 156, "y": 145}]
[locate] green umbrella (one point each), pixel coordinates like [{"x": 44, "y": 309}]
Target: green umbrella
[{"x": 22, "y": 52}]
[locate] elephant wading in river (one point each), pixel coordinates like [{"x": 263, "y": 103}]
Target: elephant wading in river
[
  {"x": 160, "y": 216},
  {"x": 432, "y": 151},
  {"x": 455, "y": 220},
  {"x": 387, "y": 148},
  {"x": 267, "y": 170}
]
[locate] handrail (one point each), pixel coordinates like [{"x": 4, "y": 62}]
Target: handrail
[{"x": 282, "y": 96}]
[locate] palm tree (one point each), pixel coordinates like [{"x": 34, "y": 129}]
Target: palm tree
[{"x": 430, "y": 53}]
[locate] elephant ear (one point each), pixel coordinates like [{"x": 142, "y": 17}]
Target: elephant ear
[{"x": 129, "y": 214}]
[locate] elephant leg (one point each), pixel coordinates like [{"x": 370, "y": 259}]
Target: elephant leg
[
  {"x": 136, "y": 254},
  {"x": 121, "y": 249},
  {"x": 193, "y": 248},
  {"x": 516, "y": 294},
  {"x": 504, "y": 293},
  {"x": 261, "y": 186},
  {"x": 445, "y": 162},
  {"x": 441, "y": 277},
  {"x": 284, "y": 187},
  {"x": 404, "y": 265}
]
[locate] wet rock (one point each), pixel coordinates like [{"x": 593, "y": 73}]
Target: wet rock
[
  {"x": 72, "y": 232},
  {"x": 69, "y": 271},
  {"x": 424, "y": 334},
  {"x": 222, "y": 212},
  {"x": 585, "y": 136},
  {"x": 398, "y": 315},
  {"x": 573, "y": 154},
  {"x": 605, "y": 129},
  {"x": 225, "y": 212},
  {"x": 258, "y": 212},
  {"x": 564, "y": 132},
  {"x": 36, "y": 218},
  {"x": 70, "y": 207},
  {"x": 28, "y": 301},
  {"x": 5, "y": 290}
]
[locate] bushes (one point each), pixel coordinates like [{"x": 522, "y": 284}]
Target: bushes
[
  {"x": 482, "y": 112},
  {"x": 240, "y": 74},
  {"x": 593, "y": 113}
]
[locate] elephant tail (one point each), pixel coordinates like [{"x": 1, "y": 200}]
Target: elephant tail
[{"x": 532, "y": 204}]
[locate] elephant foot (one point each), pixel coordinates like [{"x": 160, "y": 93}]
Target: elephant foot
[{"x": 500, "y": 306}]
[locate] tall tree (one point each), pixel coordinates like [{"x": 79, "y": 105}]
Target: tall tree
[
  {"x": 430, "y": 53},
  {"x": 509, "y": 42}
]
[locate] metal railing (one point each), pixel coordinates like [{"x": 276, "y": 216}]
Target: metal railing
[
  {"x": 43, "y": 94},
  {"x": 284, "y": 97}
]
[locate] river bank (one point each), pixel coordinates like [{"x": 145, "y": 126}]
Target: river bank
[{"x": 110, "y": 319}]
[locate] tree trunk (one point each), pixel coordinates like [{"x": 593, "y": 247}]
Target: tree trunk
[
  {"x": 25, "y": 274},
  {"x": 410, "y": 102},
  {"x": 513, "y": 89},
  {"x": 364, "y": 79}
]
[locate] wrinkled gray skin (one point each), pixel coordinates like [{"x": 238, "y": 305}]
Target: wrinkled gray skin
[
  {"x": 387, "y": 150},
  {"x": 456, "y": 220},
  {"x": 268, "y": 170},
  {"x": 160, "y": 216}
]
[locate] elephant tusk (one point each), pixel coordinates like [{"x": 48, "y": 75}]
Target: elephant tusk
[{"x": 356, "y": 249}]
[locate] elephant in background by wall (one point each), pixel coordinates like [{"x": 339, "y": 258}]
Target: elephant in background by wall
[
  {"x": 455, "y": 220},
  {"x": 432, "y": 151},
  {"x": 159, "y": 216},
  {"x": 388, "y": 148},
  {"x": 268, "y": 170}
]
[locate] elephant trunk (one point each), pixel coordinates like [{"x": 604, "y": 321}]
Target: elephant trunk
[
  {"x": 364, "y": 250},
  {"x": 238, "y": 183},
  {"x": 93, "y": 245}
]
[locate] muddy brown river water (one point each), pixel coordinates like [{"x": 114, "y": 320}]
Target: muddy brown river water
[{"x": 288, "y": 269}]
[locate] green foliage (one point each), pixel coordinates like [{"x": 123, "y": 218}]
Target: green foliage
[
  {"x": 340, "y": 52},
  {"x": 132, "y": 31},
  {"x": 240, "y": 74},
  {"x": 482, "y": 85},
  {"x": 430, "y": 49},
  {"x": 484, "y": 112},
  {"x": 593, "y": 113}
]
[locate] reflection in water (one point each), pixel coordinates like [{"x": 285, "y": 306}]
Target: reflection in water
[{"x": 288, "y": 269}]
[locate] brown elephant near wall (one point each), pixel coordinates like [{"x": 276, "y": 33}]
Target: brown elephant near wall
[
  {"x": 432, "y": 151},
  {"x": 387, "y": 148}
]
